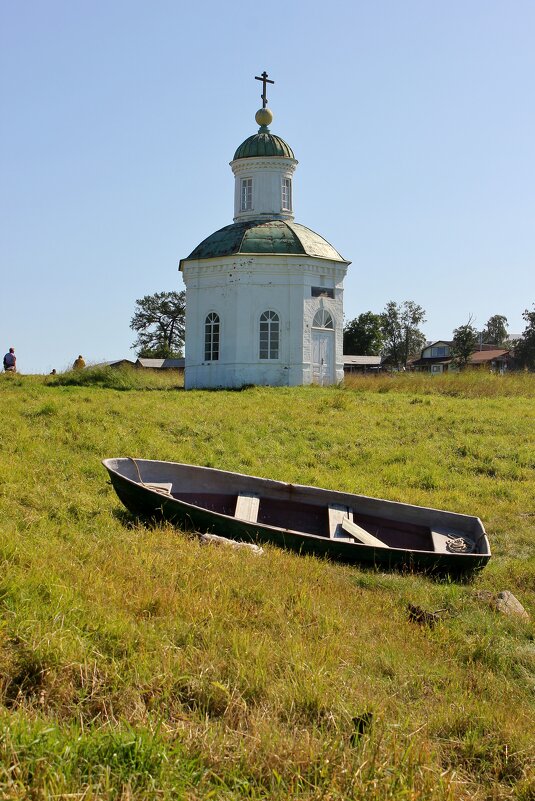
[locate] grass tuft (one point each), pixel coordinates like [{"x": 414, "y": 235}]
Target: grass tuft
[{"x": 123, "y": 379}]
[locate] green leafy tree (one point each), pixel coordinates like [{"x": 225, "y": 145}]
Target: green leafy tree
[
  {"x": 495, "y": 331},
  {"x": 525, "y": 346},
  {"x": 465, "y": 342},
  {"x": 159, "y": 321},
  {"x": 402, "y": 337},
  {"x": 363, "y": 335}
]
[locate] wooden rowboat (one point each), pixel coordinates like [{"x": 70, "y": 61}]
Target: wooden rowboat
[{"x": 354, "y": 529}]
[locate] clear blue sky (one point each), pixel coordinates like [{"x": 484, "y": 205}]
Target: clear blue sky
[{"x": 413, "y": 123}]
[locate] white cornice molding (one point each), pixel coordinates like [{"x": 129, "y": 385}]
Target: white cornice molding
[
  {"x": 266, "y": 264},
  {"x": 277, "y": 163}
]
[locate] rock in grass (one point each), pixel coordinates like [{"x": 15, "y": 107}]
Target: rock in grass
[
  {"x": 507, "y": 603},
  {"x": 504, "y": 602},
  {"x": 215, "y": 539}
]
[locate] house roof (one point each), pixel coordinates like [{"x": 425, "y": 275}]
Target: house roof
[
  {"x": 370, "y": 361},
  {"x": 481, "y": 356},
  {"x": 114, "y": 363},
  {"x": 161, "y": 364}
]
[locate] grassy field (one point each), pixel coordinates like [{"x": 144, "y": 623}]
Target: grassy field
[{"x": 136, "y": 663}]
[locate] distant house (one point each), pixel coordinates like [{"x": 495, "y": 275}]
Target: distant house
[
  {"x": 115, "y": 363},
  {"x": 437, "y": 357},
  {"x": 361, "y": 364},
  {"x": 496, "y": 359},
  {"x": 161, "y": 364}
]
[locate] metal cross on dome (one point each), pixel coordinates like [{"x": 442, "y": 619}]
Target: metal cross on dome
[{"x": 264, "y": 78}]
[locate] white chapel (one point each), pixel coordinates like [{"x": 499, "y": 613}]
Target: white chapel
[{"x": 264, "y": 295}]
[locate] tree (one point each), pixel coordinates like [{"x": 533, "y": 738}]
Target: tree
[
  {"x": 159, "y": 320},
  {"x": 465, "y": 342},
  {"x": 495, "y": 331},
  {"x": 363, "y": 335},
  {"x": 399, "y": 325},
  {"x": 525, "y": 346}
]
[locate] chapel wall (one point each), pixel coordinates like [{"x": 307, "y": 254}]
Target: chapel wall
[{"x": 239, "y": 290}]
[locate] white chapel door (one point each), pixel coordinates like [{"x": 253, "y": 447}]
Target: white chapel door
[{"x": 322, "y": 356}]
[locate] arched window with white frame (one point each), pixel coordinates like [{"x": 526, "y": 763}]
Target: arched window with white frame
[
  {"x": 211, "y": 337},
  {"x": 323, "y": 319},
  {"x": 269, "y": 335}
]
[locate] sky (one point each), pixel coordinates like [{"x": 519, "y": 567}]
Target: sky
[{"x": 413, "y": 123}]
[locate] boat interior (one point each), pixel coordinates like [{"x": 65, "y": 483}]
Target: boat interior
[{"x": 334, "y": 521}]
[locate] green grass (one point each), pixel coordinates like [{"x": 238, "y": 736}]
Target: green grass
[
  {"x": 120, "y": 378},
  {"x": 136, "y": 663}
]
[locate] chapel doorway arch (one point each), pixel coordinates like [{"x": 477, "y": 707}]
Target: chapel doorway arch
[{"x": 322, "y": 348}]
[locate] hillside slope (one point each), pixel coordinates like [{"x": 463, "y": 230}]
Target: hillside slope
[{"x": 137, "y": 663}]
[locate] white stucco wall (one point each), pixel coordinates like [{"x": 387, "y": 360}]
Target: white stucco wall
[{"x": 239, "y": 289}]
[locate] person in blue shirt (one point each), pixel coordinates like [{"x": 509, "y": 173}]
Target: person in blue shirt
[{"x": 10, "y": 361}]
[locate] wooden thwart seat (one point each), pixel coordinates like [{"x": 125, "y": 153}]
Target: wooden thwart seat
[
  {"x": 163, "y": 487},
  {"x": 362, "y": 535},
  {"x": 247, "y": 505},
  {"x": 337, "y": 514},
  {"x": 342, "y": 527}
]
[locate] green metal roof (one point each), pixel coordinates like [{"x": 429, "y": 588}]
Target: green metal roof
[
  {"x": 264, "y": 143},
  {"x": 265, "y": 237}
]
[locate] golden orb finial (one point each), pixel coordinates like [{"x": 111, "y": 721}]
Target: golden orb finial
[{"x": 264, "y": 116}]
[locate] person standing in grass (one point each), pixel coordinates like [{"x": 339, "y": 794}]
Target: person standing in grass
[
  {"x": 79, "y": 363},
  {"x": 10, "y": 361}
]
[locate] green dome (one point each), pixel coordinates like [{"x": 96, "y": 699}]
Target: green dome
[
  {"x": 264, "y": 143},
  {"x": 265, "y": 237}
]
